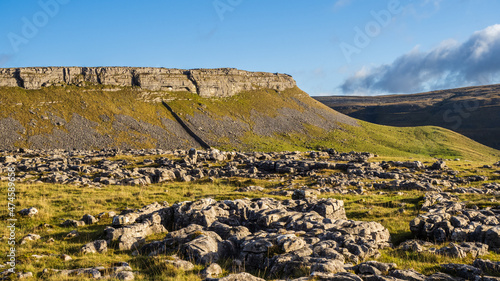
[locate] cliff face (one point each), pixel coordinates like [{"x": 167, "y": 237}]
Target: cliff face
[{"x": 220, "y": 82}]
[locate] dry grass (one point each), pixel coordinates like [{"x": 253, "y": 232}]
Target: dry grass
[{"x": 59, "y": 202}]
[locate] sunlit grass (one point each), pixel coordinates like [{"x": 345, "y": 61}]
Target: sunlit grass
[
  {"x": 56, "y": 203},
  {"x": 101, "y": 106}
]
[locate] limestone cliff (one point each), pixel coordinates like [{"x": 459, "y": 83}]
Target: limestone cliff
[{"x": 220, "y": 82}]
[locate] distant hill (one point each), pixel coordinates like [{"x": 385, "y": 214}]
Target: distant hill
[
  {"x": 96, "y": 108},
  {"x": 471, "y": 111}
]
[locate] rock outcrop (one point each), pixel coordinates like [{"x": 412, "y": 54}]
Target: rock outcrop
[
  {"x": 448, "y": 219},
  {"x": 220, "y": 82},
  {"x": 261, "y": 233}
]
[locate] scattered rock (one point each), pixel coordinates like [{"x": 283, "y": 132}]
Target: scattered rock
[
  {"x": 181, "y": 264},
  {"x": 72, "y": 233},
  {"x": 414, "y": 245},
  {"x": 130, "y": 228},
  {"x": 72, "y": 223},
  {"x": 123, "y": 275},
  {"x": 448, "y": 219},
  {"x": 29, "y": 212},
  {"x": 212, "y": 271},
  {"x": 409, "y": 274},
  {"x": 251, "y": 188},
  {"x": 7, "y": 159},
  {"x": 439, "y": 165},
  {"x": 65, "y": 257},
  {"x": 462, "y": 270},
  {"x": 22, "y": 275},
  {"x": 98, "y": 246},
  {"x": 374, "y": 268},
  {"x": 122, "y": 271},
  {"x": 439, "y": 276},
  {"x": 487, "y": 266},
  {"x": 30, "y": 237},
  {"x": 332, "y": 266},
  {"x": 89, "y": 219},
  {"x": 462, "y": 250},
  {"x": 204, "y": 249},
  {"x": 341, "y": 276},
  {"x": 302, "y": 194},
  {"x": 243, "y": 276}
]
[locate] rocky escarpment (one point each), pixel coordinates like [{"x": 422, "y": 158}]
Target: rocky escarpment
[
  {"x": 220, "y": 82},
  {"x": 96, "y": 117}
]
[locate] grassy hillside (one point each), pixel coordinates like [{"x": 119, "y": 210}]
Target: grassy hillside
[
  {"x": 471, "y": 111},
  {"x": 112, "y": 117},
  {"x": 347, "y": 134},
  {"x": 94, "y": 117},
  {"x": 413, "y": 141}
]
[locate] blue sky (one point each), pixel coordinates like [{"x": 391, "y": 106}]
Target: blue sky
[{"x": 410, "y": 46}]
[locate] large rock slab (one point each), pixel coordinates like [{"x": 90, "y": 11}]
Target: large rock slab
[{"x": 447, "y": 219}]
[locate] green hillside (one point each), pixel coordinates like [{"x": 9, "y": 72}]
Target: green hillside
[
  {"x": 350, "y": 134},
  {"x": 95, "y": 117},
  {"x": 471, "y": 111}
]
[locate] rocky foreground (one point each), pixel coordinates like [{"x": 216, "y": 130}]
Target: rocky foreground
[
  {"x": 301, "y": 238},
  {"x": 115, "y": 167}
]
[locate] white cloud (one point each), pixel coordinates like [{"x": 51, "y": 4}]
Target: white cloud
[
  {"x": 485, "y": 40},
  {"x": 451, "y": 64}
]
